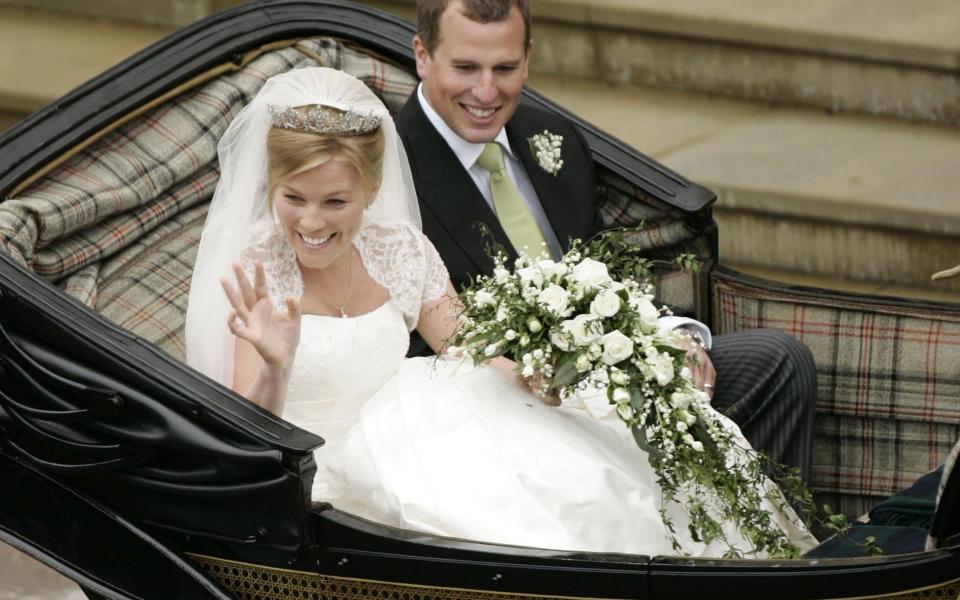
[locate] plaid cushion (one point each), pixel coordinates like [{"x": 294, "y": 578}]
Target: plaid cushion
[
  {"x": 888, "y": 384},
  {"x": 666, "y": 235},
  {"x": 117, "y": 225}
]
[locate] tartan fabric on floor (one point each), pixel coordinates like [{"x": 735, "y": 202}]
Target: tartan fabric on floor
[{"x": 888, "y": 402}]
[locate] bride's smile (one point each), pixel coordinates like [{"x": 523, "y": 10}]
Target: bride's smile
[{"x": 320, "y": 210}]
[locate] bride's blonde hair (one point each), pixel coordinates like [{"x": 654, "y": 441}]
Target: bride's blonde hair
[{"x": 290, "y": 152}]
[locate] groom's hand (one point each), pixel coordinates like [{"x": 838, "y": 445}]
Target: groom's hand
[{"x": 700, "y": 365}]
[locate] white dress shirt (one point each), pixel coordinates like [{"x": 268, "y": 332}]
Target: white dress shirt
[{"x": 468, "y": 153}]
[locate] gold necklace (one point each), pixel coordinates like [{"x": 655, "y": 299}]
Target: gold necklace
[{"x": 342, "y": 307}]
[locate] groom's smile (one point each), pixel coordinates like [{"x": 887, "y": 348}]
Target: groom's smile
[{"x": 474, "y": 77}]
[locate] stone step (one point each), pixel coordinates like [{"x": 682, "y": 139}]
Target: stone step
[
  {"x": 850, "y": 197},
  {"x": 885, "y": 57},
  {"x": 44, "y": 53}
]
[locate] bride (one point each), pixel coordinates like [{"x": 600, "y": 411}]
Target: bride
[{"x": 316, "y": 217}]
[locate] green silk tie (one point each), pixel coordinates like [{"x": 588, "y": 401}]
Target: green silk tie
[{"x": 512, "y": 211}]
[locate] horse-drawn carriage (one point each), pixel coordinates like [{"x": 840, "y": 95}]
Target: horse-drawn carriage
[{"x": 139, "y": 478}]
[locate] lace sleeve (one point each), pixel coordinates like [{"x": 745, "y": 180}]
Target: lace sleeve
[
  {"x": 279, "y": 267},
  {"x": 400, "y": 258}
]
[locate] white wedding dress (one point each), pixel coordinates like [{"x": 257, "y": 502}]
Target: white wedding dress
[{"x": 441, "y": 447}]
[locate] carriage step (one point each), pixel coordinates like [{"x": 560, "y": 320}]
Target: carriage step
[{"x": 851, "y": 197}]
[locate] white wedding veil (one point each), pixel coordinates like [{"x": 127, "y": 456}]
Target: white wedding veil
[{"x": 238, "y": 217}]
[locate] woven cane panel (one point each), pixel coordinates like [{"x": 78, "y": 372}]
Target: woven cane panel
[
  {"x": 254, "y": 582},
  {"x": 946, "y": 591}
]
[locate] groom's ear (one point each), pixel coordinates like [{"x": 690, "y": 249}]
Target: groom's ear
[{"x": 422, "y": 57}]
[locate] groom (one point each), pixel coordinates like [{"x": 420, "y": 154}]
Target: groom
[{"x": 466, "y": 135}]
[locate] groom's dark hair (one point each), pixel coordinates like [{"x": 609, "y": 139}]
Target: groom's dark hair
[{"x": 480, "y": 11}]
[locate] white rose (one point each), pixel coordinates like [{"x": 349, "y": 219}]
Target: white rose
[
  {"x": 649, "y": 315},
  {"x": 590, "y": 274},
  {"x": 662, "y": 367},
  {"x": 501, "y": 275},
  {"x": 585, "y": 329},
  {"x": 583, "y": 363},
  {"x": 534, "y": 325},
  {"x": 492, "y": 349},
  {"x": 616, "y": 347},
  {"x": 552, "y": 270},
  {"x": 625, "y": 411},
  {"x": 530, "y": 275},
  {"x": 527, "y": 358},
  {"x": 554, "y": 298},
  {"x": 619, "y": 377},
  {"x": 621, "y": 395},
  {"x": 559, "y": 339},
  {"x": 681, "y": 426},
  {"x": 538, "y": 354},
  {"x": 527, "y": 371},
  {"x": 680, "y": 399},
  {"x": 510, "y": 335},
  {"x": 524, "y": 340},
  {"x": 483, "y": 298},
  {"x": 502, "y": 313},
  {"x": 606, "y": 304}
]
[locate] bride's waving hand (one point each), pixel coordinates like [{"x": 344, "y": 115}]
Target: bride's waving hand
[{"x": 267, "y": 339}]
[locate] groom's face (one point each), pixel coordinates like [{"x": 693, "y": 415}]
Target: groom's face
[{"x": 474, "y": 76}]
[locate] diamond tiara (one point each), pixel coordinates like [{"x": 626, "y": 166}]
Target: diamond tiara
[{"x": 320, "y": 119}]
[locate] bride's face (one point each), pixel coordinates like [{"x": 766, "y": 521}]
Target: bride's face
[{"x": 320, "y": 210}]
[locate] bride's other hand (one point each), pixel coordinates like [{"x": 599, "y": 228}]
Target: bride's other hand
[
  {"x": 273, "y": 333},
  {"x": 532, "y": 384}
]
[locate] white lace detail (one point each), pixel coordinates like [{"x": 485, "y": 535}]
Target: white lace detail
[
  {"x": 279, "y": 266},
  {"x": 400, "y": 258},
  {"x": 396, "y": 255}
]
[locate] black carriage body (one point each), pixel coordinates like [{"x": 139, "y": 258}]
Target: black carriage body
[{"x": 140, "y": 478}]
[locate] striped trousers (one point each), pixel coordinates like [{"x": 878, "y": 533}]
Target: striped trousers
[{"x": 767, "y": 384}]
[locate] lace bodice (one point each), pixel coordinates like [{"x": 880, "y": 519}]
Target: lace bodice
[{"x": 395, "y": 254}]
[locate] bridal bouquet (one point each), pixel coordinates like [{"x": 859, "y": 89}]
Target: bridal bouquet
[{"x": 571, "y": 325}]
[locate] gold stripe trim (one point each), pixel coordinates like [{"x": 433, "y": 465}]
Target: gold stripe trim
[
  {"x": 904, "y": 594},
  {"x": 373, "y": 589},
  {"x": 449, "y": 593}
]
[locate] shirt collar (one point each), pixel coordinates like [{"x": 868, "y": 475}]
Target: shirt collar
[{"x": 467, "y": 152}]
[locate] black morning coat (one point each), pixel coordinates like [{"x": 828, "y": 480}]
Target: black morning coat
[{"x": 452, "y": 208}]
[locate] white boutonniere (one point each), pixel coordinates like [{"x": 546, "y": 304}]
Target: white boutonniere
[{"x": 546, "y": 148}]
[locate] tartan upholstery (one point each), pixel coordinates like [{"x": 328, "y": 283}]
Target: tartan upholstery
[
  {"x": 888, "y": 401},
  {"x": 667, "y": 234},
  {"x": 117, "y": 225}
]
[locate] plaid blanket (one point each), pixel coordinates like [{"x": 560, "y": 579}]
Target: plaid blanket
[{"x": 888, "y": 404}]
